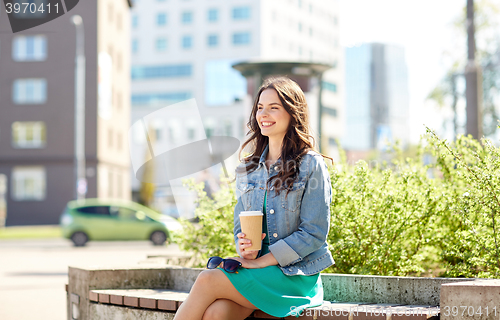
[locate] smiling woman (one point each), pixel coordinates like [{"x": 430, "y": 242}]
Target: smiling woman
[{"x": 286, "y": 180}]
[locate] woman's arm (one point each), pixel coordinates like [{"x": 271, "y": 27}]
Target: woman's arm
[
  {"x": 264, "y": 261},
  {"x": 314, "y": 217}
]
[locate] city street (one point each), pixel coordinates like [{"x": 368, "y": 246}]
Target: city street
[{"x": 33, "y": 273}]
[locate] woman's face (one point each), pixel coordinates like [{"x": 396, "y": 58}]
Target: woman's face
[{"x": 271, "y": 116}]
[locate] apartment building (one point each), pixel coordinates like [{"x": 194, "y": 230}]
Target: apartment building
[{"x": 37, "y": 90}]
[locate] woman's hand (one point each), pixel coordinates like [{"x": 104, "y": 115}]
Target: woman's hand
[{"x": 244, "y": 243}]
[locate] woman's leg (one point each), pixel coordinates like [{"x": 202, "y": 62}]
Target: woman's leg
[
  {"x": 210, "y": 285},
  {"x": 223, "y": 309}
]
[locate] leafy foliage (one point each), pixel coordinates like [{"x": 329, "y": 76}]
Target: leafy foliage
[
  {"x": 213, "y": 235},
  {"x": 435, "y": 214}
]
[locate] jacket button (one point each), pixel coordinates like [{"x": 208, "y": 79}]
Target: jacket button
[
  {"x": 271, "y": 211},
  {"x": 275, "y": 235}
]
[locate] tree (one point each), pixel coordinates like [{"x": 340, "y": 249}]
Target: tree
[{"x": 445, "y": 94}]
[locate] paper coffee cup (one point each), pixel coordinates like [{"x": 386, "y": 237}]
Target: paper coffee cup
[{"x": 251, "y": 226}]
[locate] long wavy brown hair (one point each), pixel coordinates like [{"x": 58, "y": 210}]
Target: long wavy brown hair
[{"x": 297, "y": 141}]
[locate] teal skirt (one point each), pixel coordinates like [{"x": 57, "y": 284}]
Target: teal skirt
[
  {"x": 273, "y": 292},
  {"x": 277, "y": 294}
]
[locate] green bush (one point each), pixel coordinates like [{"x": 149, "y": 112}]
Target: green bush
[
  {"x": 434, "y": 214},
  {"x": 213, "y": 234}
]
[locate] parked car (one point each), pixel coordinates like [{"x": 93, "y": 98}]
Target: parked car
[{"x": 99, "y": 219}]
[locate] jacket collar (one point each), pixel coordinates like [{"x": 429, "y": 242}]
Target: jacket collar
[{"x": 263, "y": 156}]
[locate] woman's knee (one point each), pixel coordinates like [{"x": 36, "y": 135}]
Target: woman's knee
[{"x": 207, "y": 277}]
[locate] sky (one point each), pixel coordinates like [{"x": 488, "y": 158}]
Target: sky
[{"x": 424, "y": 28}]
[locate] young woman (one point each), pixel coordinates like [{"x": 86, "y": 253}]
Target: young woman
[{"x": 289, "y": 182}]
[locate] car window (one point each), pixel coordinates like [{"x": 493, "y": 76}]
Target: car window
[
  {"x": 97, "y": 210},
  {"x": 126, "y": 213}
]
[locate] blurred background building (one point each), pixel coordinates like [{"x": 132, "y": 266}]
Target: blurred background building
[
  {"x": 377, "y": 100},
  {"x": 37, "y": 85},
  {"x": 187, "y": 49}
]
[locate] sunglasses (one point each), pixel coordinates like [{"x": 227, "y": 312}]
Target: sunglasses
[{"x": 228, "y": 265}]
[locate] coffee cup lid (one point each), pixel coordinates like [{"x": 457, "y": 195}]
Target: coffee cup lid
[{"x": 251, "y": 213}]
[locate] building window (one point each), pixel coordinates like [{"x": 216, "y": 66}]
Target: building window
[
  {"x": 161, "y": 19},
  {"x": 223, "y": 84},
  {"x": 241, "y": 38},
  {"x": 187, "y": 17},
  {"x": 241, "y": 13},
  {"x": 161, "y": 44},
  {"x": 329, "y": 86},
  {"x": 28, "y": 183},
  {"x": 165, "y": 71},
  {"x": 135, "y": 21},
  {"x": 28, "y": 134},
  {"x": 29, "y": 91},
  {"x": 213, "y": 15},
  {"x": 330, "y": 111},
  {"x": 160, "y": 98},
  {"x": 135, "y": 46},
  {"x": 110, "y": 184},
  {"x": 212, "y": 40},
  {"x": 110, "y": 12},
  {"x": 187, "y": 42},
  {"x": 110, "y": 138},
  {"x": 29, "y": 48}
]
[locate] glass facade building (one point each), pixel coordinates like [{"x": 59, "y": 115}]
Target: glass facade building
[{"x": 377, "y": 99}]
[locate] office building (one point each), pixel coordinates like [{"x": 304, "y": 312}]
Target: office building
[
  {"x": 377, "y": 100},
  {"x": 37, "y": 90}
]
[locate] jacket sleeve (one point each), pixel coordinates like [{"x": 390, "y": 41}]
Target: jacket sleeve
[
  {"x": 314, "y": 217},
  {"x": 237, "y": 209}
]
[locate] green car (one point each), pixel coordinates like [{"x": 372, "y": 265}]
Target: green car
[{"x": 98, "y": 219}]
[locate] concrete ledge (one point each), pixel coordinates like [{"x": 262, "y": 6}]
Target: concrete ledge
[
  {"x": 380, "y": 289},
  {"x": 408, "y": 291},
  {"x": 82, "y": 280},
  {"x": 106, "y": 312},
  {"x": 475, "y": 300}
]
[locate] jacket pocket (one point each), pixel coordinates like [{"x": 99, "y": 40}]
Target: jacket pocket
[
  {"x": 291, "y": 201},
  {"x": 246, "y": 190}
]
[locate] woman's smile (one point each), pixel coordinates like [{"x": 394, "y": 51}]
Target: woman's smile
[{"x": 266, "y": 124}]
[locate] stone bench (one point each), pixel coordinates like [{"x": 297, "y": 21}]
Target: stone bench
[
  {"x": 109, "y": 304},
  {"x": 155, "y": 292}
]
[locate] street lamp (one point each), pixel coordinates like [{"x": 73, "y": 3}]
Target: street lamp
[{"x": 80, "y": 180}]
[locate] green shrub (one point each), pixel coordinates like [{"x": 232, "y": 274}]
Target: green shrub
[
  {"x": 471, "y": 183},
  {"x": 213, "y": 234},
  {"x": 435, "y": 214}
]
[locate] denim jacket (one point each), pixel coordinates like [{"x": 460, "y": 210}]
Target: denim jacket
[{"x": 297, "y": 224}]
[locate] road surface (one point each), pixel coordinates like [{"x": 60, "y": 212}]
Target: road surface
[{"x": 33, "y": 273}]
